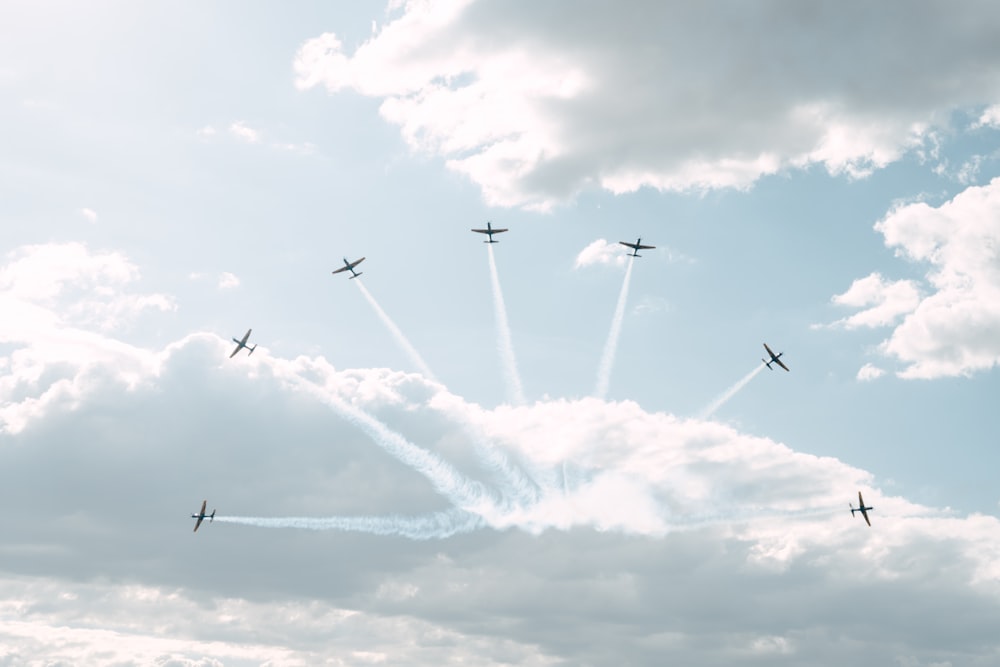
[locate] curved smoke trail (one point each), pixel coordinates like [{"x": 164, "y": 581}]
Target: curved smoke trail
[
  {"x": 504, "y": 344},
  {"x": 465, "y": 493},
  {"x": 611, "y": 346},
  {"x": 396, "y": 333}
]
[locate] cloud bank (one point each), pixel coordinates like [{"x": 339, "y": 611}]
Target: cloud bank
[
  {"x": 951, "y": 323},
  {"x": 535, "y": 104},
  {"x": 597, "y": 521}
]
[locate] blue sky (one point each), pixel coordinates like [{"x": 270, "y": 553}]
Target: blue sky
[{"x": 819, "y": 178}]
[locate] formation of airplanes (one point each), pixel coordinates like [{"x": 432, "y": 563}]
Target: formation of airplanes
[{"x": 489, "y": 231}]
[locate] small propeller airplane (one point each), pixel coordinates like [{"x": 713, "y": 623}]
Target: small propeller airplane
[
  {"x": 636, "y": 247},
  {"x": 774, "y": 359},
  {"x": 862, "y": 509},
  {"x": 241, "y": 344},
  {"x": 489, "y": 231},
  {"x": 201, "y": 516},
  {"x": 349, "y": 266}
]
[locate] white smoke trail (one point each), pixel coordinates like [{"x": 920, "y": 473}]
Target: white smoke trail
[
  {"x": 504, "y": 345},
  {"x": 729, "y": 393},
  {"x": 465, "y": 493},
  {"x": 397, "y": 334},
  {"x": 611, "y": 346},
  {"x": 438, "y": 525}
]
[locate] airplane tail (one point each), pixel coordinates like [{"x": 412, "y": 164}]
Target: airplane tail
[
  {"x": 356, "y": 275},
  {"x": 252, "y": 349},
  {"x": 768, "y": 364},
  {"x": 211, "y": 517}
]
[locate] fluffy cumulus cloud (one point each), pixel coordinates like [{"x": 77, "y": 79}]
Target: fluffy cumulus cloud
[
  {"x": 57, "y": 300},
  {"x": 883, "y": 302},
  {"x": 445, "y": 532},
  {"x": 228, "y": 280},
  {"x": 534, "y": 102},
  {"x": 952, "y": 327},
  {"x": 869, "y": 372},
  {"x": 601, "y": 252}
]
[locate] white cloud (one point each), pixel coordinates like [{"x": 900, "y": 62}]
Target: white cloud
[
  {"x": 228, "y": 280},
  {"x": 89, "y": 214},
  {"x": 955, "y": 328},
  {"x": 884, "y": 302},
  {"x": 601, "y": 252},
  {"x": 244, "y": 132},
  {"x": 869, "y": 372},
  {"x": 54, "y": 296},
  {"x": 592, "y": 511},
  {"x": 989, "y": 118},
  {"x": 575, "y": 513},
  {"x": 534, "y": 108}
]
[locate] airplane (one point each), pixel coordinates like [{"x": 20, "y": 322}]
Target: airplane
[
  {"x": 350, "y": 266},
  {"x": 201, "y": 516},
  {"x": 862, "y": 509},
  {"x": 490, "y": 232},
  {"x": 774, "y": 358},
  {"x": 636, "y": 247},
  {"x": 240, "y": 344}
]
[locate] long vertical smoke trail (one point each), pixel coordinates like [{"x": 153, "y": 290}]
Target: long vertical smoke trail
[
  {"x": 608, "y": 357},
  {"x": 506, "y": 348},
  {"x": 729, "y": 393},
  {"x": 396, "y": 333},
  {"x": 438, "y": 525}
]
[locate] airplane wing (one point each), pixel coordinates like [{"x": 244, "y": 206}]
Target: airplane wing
[
  {"x": 200, "y": 515},
  {"x": 769, "y": 350},
  {"x": 864, "y": 512},
  {"x": 355, "y": 263},
  {"x": 778, "y": 361},
  {"x": 645, "y": 247},
  {"x": 486, "y": 231},
  {"x": 247, "y": 336},
  {"x": 238, "y": 347},
  {"x": 634, "y": 246}
]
